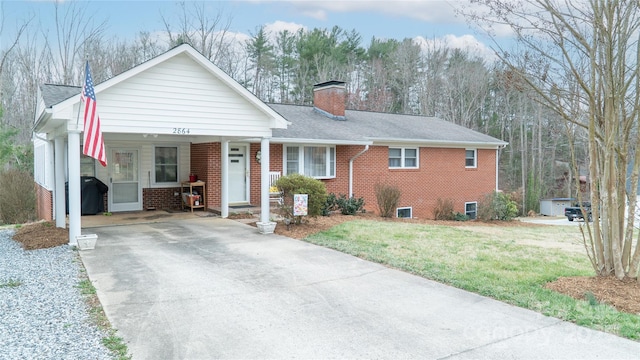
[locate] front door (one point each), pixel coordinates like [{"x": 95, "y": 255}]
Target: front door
[
  {"x": 125, "y": 193},
  {"x": 238, "y": 174}
]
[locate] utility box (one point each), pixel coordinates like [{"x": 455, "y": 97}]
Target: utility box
[{"x": 555, "y": 206}]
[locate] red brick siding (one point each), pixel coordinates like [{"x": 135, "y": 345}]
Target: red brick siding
[
  {"x": 161, "y": 198},
  {"x": 275, "y": 164},
  {"x": 205, "y": 163},
  {"x": 44, "y": 203},
  {"x": 441, "y": 174}
]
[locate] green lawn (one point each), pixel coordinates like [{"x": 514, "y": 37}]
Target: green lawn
[{"x": 510, "y": 264}]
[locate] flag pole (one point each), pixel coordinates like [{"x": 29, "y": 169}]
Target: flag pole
[
  {"x": 79, "y": 109},
  {"x": 81, "y": 98}
]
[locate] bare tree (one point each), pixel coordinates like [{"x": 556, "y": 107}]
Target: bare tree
[
  {"x": 4, "y": 53},
  {"x": 74, "y": 29},
  {"x": 27, "y": 68},
  {"x": 588, "y": 54},
  {"x": 208, "y": 34},
  {"x": 465, "y": 87}
]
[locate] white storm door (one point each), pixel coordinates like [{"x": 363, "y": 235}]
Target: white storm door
[
  {"x": 238, "y": 174},
  {"x": 125, "y": 193}
]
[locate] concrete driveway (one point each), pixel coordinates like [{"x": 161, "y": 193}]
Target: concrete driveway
[
  {"x": 552, "y": 220},
  {"x": 209, "y": 288}
]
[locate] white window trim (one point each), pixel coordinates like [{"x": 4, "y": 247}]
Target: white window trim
[
  {"x": 403, "y": 158},
  {"x": 405, "y": 208},
  {"x": 475, "y": 158},
  {"x": 471, "y": 202},
  {"x": 301, "y": 159},
  {"x": 153, "y": 167}
]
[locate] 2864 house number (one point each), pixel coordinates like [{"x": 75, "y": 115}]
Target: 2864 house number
[{"x": 181, "y": 130}]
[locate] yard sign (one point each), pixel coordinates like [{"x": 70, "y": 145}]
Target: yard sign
[{"x": 300, "y": 204}]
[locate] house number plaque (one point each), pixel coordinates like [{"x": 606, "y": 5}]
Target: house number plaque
[{"x": 181, "y": 130}]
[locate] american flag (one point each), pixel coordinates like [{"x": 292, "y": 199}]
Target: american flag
[{"x": 93, "y": 142}]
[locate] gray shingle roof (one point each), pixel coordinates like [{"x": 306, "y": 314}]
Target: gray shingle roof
[
  {"x": 54, "y": 94},
  {"x": 364, "y": 126},
  {"x": 359, "y": 126}
]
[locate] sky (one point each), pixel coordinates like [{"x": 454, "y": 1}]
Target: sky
[{"x": 425, "y": 20}]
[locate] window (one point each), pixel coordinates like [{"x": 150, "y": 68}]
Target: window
[
  {"x": 470, "y": 158},
  {"x": 404, "y": 212},
  {"x": 293, "y": 160},
  {"x": 313, "y": 161},
  {"x": 403, "y": 158},
  {"x": 471, "y": 210},
  {"x": 166, "y": 164},
  {"x": 87, "y": 165}
]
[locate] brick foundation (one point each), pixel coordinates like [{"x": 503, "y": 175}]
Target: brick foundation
[
  {"x": 161, "y": 198},
  {"x": 44, "y": 203}
]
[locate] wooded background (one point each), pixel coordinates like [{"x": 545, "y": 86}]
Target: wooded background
[{"x": 384, "y": 75}]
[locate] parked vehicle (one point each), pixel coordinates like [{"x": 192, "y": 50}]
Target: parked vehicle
[{"x": 579, "y": 212}]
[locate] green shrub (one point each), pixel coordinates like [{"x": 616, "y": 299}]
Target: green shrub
[
  {"x": 17, "y": 197},
  {"x": 497, "y": 206},
  {"x": 300, "y": 184},
  {"x": 458, "y": 216},
  {"x": 388, "y": 197},
  {"x": 330, "y": 204},
  {"x": 349, "y": 206},
  {"x": 443, "y": 210}
]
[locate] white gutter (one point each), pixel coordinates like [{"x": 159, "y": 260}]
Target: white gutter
[
  {"x": 277, "y": 140},
  {"x": 439, "y": 143},
  {"x": 366, "y": 147},
  {"x": 497, "y": 157}
]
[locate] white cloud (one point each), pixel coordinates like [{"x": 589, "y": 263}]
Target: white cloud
[
  {"x": 438, "y": 11},
  {"x": 315, "y": 14},
  {"x": 277, "y": 26},
  {"x": 431, "y": 12}
]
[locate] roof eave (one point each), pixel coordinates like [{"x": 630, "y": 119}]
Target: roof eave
[
  {"x": 319, "y": 141},
  {"x": 441, "y": 143},
  {"x": 40, "y": 121}
]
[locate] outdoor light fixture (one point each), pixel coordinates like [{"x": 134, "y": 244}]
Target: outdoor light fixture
[{"x": 258, "y": 156}]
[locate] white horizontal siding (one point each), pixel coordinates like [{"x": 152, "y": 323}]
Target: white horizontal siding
[
  {"x": 179, "y": 93},
  {"x": 43, "y": 171},
  {"x": 147, "y": 168}
]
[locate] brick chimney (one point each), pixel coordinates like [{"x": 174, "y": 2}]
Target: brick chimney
[{"x": 329, "y": 99}]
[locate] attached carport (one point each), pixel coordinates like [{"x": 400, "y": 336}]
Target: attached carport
[
  {"x": 174, "y": 100},
  {"x": 205, "y": 288}
]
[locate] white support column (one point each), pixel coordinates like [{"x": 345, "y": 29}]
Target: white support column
[
  {"x": 75, "y": 210},
  {"x": 224, "y": 168},
  {"x": 264, "y": 181},
  {"x": 59, "y": 173},
  {"x": 265, "y": 226}
]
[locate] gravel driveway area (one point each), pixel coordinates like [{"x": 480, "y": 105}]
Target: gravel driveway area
[{"x": 42, "y": 312}]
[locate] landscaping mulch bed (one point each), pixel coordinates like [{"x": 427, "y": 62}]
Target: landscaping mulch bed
[
  {"x": 623, "y": 295},
  {"x": 41, "y": 235}
]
